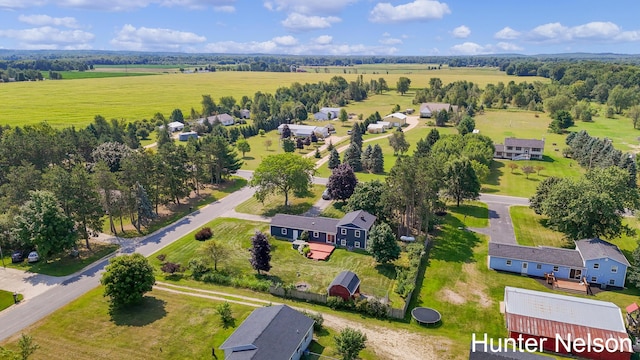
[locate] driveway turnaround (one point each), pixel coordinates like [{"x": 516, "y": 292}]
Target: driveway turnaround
[{"x": 500, "y": 225}]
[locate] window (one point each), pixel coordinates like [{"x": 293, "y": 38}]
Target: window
[
  {"x": 518, "y": 148},
  {"x": 357, "y": 233},
  {"x": 508, "y": 262},
  {"x": 555, "y": 268},
  {"x": 538, "y": 266},
  {"x": 614, "y": 269},
  {"x": 343, "y": 242},
  {"x": 612, "y": 282},
  {"x": 284, "y": 231},
  {"x": 509, "y": 147},
  {"x": 343, "y": 231},
  {"x": 316, "y": 234},
  {"x": 596, "y": 266},
  {"x": 499, "y": 153},
  {"x": 357, "y": 244},
  {"x": 535, "y": 149},
  {"x": 594, "y": 279}
]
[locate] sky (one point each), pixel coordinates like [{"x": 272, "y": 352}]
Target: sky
[{"x": 324, "y": 27}]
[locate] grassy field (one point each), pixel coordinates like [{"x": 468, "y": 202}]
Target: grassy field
[
  {"x": 471, "y": 214},
  {"x": 75, "y": 75},
  {"x": 137, "y": 97},
  {"x": 288, "y": 266},
  {"x": 275, "y": 204},
  {"x": 6, "y": 299},
  {"x": 63, "y": 264}
]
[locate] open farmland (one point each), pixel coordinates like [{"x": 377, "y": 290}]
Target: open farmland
[{"x": 66, "y": 103}]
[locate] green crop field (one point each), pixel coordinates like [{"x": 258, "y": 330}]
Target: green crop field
[{"x": 66, "y": 103}]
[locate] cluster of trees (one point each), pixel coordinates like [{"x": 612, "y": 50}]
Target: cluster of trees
[
  {"x": 460, "y": 93},
  {"x": 591, "y": 152}
]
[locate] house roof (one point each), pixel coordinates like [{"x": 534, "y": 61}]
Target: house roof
[
  {"x": 479, "y": 353},
  {"x": 434, "y": 107},
  {"x": 592, "y": 249},
  {"x": 272, "y": 332},
  {"x": 348, "y": 280},
  {"x": 329, "y": 109},
  {"x": 385, "y": 123},
  {"x": 375, "y": 126},
  {"x": 319, "y": 223},
  {"x": 175, "y": 124},
  {"x": 547, "y": 314},
  {"x": 532, "y": 143},
  {"x": 397, "y": 115},
  {"x": 220, "y": 117},
  {"x": 540, "y": 254},
  {"x": 360, "y": 219}
]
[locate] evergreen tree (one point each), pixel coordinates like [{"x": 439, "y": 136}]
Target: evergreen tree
[
  {"x": 434, "y": 135},
  {"x": 260, "y": 252},
  {"x": 288, "y": 145},
  {"x": 144, "y": 208},
  {"x": 422, "y": 148},
  {"x": 353, "y": 157},
  {"x": 334, "y": 159},
  {"x": 366, "y": 160},
  {"x": 377, "y": 160},
  {"x": 221, "y": 158},
  {"x": 330, "y": 147},
  {"x": 356, "y": 136}
]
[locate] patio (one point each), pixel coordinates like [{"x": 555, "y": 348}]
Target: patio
[{"x": 320, "y": 251}]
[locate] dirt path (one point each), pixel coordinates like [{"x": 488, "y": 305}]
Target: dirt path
[{"x": 386, "y": 343}]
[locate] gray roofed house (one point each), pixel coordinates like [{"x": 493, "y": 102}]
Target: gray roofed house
[
  {"x": 305, "y": 223},
  {"x": 428, "y": 110},
  {"x": 519, "y": 149},
  {"x": 359, "y": 218},
  {"x": 593, "y": 249},
  {"x": 273, "y": 332},
  {"x": 345, "y": 285},
  {"x": 224, "y": 119},
  {"x": 541, "y": 254}
]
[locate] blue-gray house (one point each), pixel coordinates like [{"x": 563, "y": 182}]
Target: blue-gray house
[
  {"x": 598, "y": 261},
  {"x": 350, "y": 231}
]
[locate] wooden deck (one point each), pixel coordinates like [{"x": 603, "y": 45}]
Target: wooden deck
[{"x": 571, "y": 285}]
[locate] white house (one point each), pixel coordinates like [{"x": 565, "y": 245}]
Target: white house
[
  {"x": 376, "y": 128},
  {"x": 385, "y": 124},
  {"x": 305, "y": 130},
  {"x": 175, "y": 126},
  {"x": 428, "y": 110},
  {"x": 224, "y": 119},
  {"x": 397, "y": 119},
  {"x": 327, "y": 113}
]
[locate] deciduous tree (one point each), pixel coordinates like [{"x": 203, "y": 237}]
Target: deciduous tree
[
  {"x": 342, "y": 182},
  {"x": 127, "y": 278},
  {"x": 402, "y": 86},
  {"x": 527, "y": 170},
  {"x": 382, "y": 244},
  {"x": 260, "y": 252},
  {"x": 461, "y": 181},
  {"x": 349, "y": 343},
  {"x": 243, "y": 146},
  {"x": 214, "y": 251},
  {"x": 284, "y": 173}
]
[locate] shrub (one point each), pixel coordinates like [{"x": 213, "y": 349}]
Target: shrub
[
  {"x": 306, "y": 250},
  {"x": 338, "y": 303},
  {"x": 304, "y": 236},
  {"x": 216, "y": 278},
  {"x": 224, "y": 310},
  {"x": 317, "y": 317},
  {"x": 204, "y": 234},
  {"x": 198, "y": 268},
  {"x": 171, "y": 268},
  {"x": 161, "y": 257}
]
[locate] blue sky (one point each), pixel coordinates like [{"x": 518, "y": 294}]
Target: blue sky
[{"x": 328, "y": 27}]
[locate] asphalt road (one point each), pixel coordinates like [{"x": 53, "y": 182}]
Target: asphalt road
[{"x": 500, "y": 226}]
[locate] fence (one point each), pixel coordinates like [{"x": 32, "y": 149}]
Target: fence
[{"x": 300, "y": 295}]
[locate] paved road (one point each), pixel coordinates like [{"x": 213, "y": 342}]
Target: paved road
[{"x": 500, "y": 225}]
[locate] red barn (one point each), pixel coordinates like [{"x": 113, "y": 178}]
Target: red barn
[
  {"x": 563, "y": 324},
  {"x": 346, "y": 285}
]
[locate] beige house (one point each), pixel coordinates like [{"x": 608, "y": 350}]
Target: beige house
[
  {"x": 519, "y": 149},
  {"x": 396, "y": 119}
]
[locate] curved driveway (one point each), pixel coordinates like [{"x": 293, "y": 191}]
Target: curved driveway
[{"x": 500, "y": 225}]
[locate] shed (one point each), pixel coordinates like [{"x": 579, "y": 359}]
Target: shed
[
  {"x": 185, "y": 136},
  {"x": 559, "y": 323},
  {"x": 396, "y": 119},
  {"x": 375, "y": 128},
  {"x": 175, "y": 126},
  {"x": 346, "y": 285},
  {"x": 245, "y": 114}
]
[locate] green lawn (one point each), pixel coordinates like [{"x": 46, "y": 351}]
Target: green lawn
[
  {"x": 335, "y": 210},
  {"x": 63, "y": 264},
  {"x": 288, "y": 266},
  {"x": 530, "y": 229},
  {"x": 275, "y": 204},
  {"x": 178, "y": 211},
  {"x": 471, "y": 214},
  {"x": 6, "y": 299}
]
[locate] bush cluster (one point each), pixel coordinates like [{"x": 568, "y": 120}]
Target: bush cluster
[
  {"x": 370, "y": 307},
  {"x": 406, "y": 277},
  {"x": 204, "y": 234},
  {"x": 317, "y": 317},
  {"x": 246, "y": 282},
  {"x": 198, "y": 268},
  {"x": 171, "y": 268}
]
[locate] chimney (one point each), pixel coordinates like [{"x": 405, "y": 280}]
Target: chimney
[{"x": 362, "y": 218}]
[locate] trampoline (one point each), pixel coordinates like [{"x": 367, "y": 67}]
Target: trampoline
[{"x": 426, "y": 316}]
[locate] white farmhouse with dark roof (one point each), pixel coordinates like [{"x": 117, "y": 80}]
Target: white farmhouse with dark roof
[
  {"x": 519, "y": 149},
  {"x": 598, "y": 261},
  {"x": 272, "y": 332}
]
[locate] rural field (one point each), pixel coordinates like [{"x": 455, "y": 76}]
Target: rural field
[{"x": 66, "y": 103}]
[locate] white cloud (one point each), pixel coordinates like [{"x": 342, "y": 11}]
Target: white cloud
[
  {"x": 418, "y": 10},
  {"x": 461, "y": 32},
  {"x": 322, "y": 44},
  {"x": 225, "y": 8},
  {"x": 471, "y": 48},
  {"x": 20, "y": 4},
  {"x": 50, "y": 38},
  {"x": 592, "y": 31},
  {"x": 505, "y": 46},
  {"x": 507, "y": 33},
  {"x": 44, "y": 20},
  {"x": 285, "y": 40},
  {"x": 119, "y": 5},
  {"x": 300, "y": 22},
  {"x": 595, "y": 30},
  {"x": 131, "y": 38},
  {"x": 387, "y": 39},
  {"x": 308, "y": 7},
  {"x": 550, "y": 31},
  {"x": 109, "y": 5},
  {"x": 628, "y": 36},
  {"x": 323, "y": 39}
]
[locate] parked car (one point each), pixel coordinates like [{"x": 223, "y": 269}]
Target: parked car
[
  {"x": 17, "y": 257},
  {"x": 33, "y": 257},
  {"x": 326, "y": 195}
]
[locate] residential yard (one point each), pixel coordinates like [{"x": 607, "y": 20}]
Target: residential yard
[
  {"x": 275, "y": 204},
  {"x": 471, "y": 214},
  {"x": 63, "y": 264},
  {"x": 173, "y": 212},
  {"x": 288, "y": 266},
  {"x": 6, "y": 299}
]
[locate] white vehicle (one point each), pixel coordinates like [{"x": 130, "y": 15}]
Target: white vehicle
[
  {"x": 407, "y": 238},
  {"x": 33, "y": 257}
]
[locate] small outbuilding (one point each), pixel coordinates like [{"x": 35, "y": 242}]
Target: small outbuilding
[
  {"x": 185, "y": 136},
  {"x": 346, "y": 285},
  {"x": 175, "y": 126},
  {"x": 245, "y": 114},
  {"x": 396, "y": 119},
  {"x": 375, "y": 128}
]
